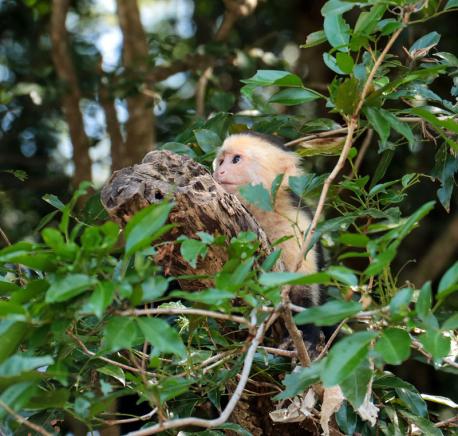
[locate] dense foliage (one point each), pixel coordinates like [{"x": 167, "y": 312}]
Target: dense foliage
[{"x": 73, "y": 339}]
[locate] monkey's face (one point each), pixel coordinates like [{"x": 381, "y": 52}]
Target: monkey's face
[{"x": 233, "y": 169}]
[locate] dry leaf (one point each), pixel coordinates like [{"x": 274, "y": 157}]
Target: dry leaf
[
  {"x": 332, "y": 400},
  {"x": 300, "y": 407}
]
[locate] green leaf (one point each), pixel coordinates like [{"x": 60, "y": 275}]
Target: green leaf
[
  {"x": 451, "y": 323},
  {"x": 179, "y": 148},
  {"x": 101, "y": 298},
  {"x": 400, "y": 127},
  {"x": 121, "y": 332},
  {"x": 208, "y": 141},
  {"x": 314, "y": 38},
  {"x": 19, "y": 364},
  {"x": 448, "y": 282},
  {"x": 388, "y": 26},
  {"x": 337, "y": 31},
  {"x": 331, "y": 63},
  {"x": 424, "y": 424},
  {"x": 293, "y": 96},
  {"x": 355, "y": 386},
  {"x": 353, "y": 239},
  {"x": 394, "y": 346},
  {"x": 423, "y": 304},
  {"x": 424, "y": 44},
  {"x": 52, "y": 399},
  {"x": 274, "y": 77},
  {"x": 142, "y": 229},
  {"x": 336, "y": 7},
  {"x": 209, "y": 296},
  {"x": 413, "y": 401},
  {"x": 299, "y": 380},
  {"x": 164, "y": 338},
  {"x": 329, "y": 313},
  {"x": 379, "y": 123},
  {"x": 435, "y": 343},
  {"x": 451, "y": 4},
  {"x": 10, "y": 310},
  {"x": 153, "y": 288},
  {"x": 11, "y": 337},
  {"x": 345, "y": 357},
  {"x": 271, "y": 279},
  {"x": 64, "y": 288},
  {"x": 115, "y": 372},
  {"x": 345, "y": 62},
  {"x": 380, "y": 262},
  {"x": 257, "y": 195},
  {"x": 191, "y": 249},
  {"x": 399, "y": 304},
  {"x": 17, "y": 396},
  {"x": 343, "y": 275},
  {"x": 53, "y": 238},
  {"x": 367, "y": 21},
  {"x": 347, "y": 96}
]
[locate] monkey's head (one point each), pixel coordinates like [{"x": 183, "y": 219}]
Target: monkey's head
[{"x": 250, "y": 159}]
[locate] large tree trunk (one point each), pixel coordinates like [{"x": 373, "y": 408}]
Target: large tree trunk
[
  {"x": 71, "y": 94},
  {"x": 140, "y": 132}
]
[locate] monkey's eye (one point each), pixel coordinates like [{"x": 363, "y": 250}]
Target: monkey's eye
[
  {"x": 221, "y": 161},
  {"x": 236, "y": 158}
]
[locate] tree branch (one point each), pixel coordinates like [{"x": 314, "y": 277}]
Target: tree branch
[
  {"x": 21, "y": 420},
  {"x": 140, "y": 135},
  {"x": 186, "y": 311},
  {"x": 71, "y": 94},
  {"x": 111, "y": 119},
  {"x": 224, "y": 416}
]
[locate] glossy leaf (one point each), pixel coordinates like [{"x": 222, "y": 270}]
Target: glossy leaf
[
  {"x": 424, "y": 301},
  {"x": 144, "y": 226},
  {"x": 293, "y": 96},
  {"x": 449, "y": 281},
  {"x": 164, "y": 338},
  {"x": 355, "y": 386},
  {"x": 208, "y": 141},
  {"x": 69, "y": 286},
  {"x": 299, "y": 380},
  {"x": 394, "y": 346},
  {"x": 314, "y": 38},
  {"x": 274, "y": 77},
  {"x": 337, "y": 31},
  {"x": 435, "y": 343},
  {"x": 329, "y": 313},
  {"x": 120, "y": 333},
  {"x": 257, "y": 195},
  {"x": 345, "y": 357}
]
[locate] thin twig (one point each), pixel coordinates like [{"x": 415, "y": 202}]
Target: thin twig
[
  {"x": 316, "y": 136},
  {"x": 224, "y": 416},
  {"x": 279, "y": 352},
  {"x": 3, "y": 235},
  {"x": 446, "y": 422},
  {"x": 186, "y": 311},
  {"x": 352, "y": 125},
  {"x": 129, "y": 420},
  {"x": 362, "y": 153},
  {"x": 21, "y": 420},
  {"x": 331, "y": 339},
  {"x": 105, "y": 359}
]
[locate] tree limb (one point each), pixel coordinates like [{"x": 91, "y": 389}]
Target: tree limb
[
  {"x": 140, "y": 134},
  {"x": 61, "y": 55}
]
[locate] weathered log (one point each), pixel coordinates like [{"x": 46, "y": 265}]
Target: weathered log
[{"x": 200, "y": 205}]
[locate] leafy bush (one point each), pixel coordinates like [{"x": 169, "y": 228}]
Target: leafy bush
[{"x": 73, "y": 339}]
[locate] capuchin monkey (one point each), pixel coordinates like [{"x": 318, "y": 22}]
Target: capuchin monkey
[{"x": 252, "y": 158}]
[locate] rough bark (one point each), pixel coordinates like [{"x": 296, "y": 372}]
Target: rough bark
[
  {"x": 201, "y": 205},
  {"x": 71, "y": 95},
  {"x": 140, "y": 133}
]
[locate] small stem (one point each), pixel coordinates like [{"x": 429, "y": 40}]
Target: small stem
[{"x": 21, "y": 420}]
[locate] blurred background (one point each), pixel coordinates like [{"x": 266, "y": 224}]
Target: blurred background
[{"x": 89, "y": 86}]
